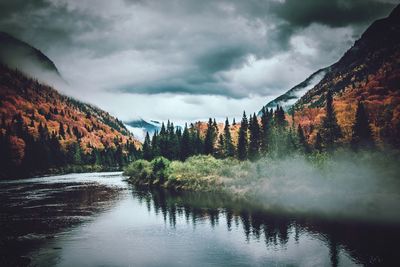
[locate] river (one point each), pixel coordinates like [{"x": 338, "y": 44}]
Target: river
[{"x": 98, "y": 219}]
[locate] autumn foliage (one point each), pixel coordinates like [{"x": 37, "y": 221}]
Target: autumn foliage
[{"x": 31, "y": 112}]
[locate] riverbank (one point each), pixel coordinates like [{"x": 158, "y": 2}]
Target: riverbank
[
  {"x": 197, "y": 173},
  {"x": 363, "y": 185},
  {"x": 60, "y": 171},
  {"x": 205, "y": 173}
]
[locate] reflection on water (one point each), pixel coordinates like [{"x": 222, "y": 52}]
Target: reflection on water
[
  {"x": 366, "y": 244},
  {"x": 99, "y": 220}
]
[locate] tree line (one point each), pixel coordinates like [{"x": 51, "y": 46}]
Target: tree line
[
  {"x": 270, "y": 134},
  {"x": 23, "y": 153}
]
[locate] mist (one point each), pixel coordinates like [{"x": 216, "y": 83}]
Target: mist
[{"x": 347, "y": 185}]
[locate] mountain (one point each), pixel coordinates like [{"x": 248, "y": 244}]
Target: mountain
[
  {"x": 377, "y": 48},
  {"x": 369, "y": 72},
  {"x": 290, "y": 97},
  {"x": 41, "y": 129},
  {"x": 17, "y": 54},
  {"x": 140, "y": 127}
]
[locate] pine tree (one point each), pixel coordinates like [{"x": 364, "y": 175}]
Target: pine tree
[
  {"x": 361, "y": 132},
  {"x": 279, "y": 117},
  {"x": 330, "y": 130},
  {"x": 155, "y": 146},
  {"x": 255, "y": 134},
  {"x": 229, "y": 149},
  {"x": 303, "y": 144},
  {"x": 243, "y": 139},
  {"x": 5, "y": 155},
  {"x": 210, "y": 138},
  {"x": 318, "y": 143},
  {"x": 185, "y": 144},
  {"x": 220, "y": 153},
  {"x": 56, "y": 154},
  {"x": 173, "y": 143},
  {"x": 265, "y": 129},
  {"x": 199, "y": 143},
  {"x": 146, "y": 148},
  {"x": 62, "y": 132},
  {"x": 162, "y": 141}
]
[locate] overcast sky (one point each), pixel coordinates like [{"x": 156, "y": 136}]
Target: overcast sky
[{"x": 188, "y": 59}]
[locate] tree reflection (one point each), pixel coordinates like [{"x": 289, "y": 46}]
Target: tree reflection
[{"x": 369, "y": 245}]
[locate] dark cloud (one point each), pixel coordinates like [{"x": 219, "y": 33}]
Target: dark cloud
[
  {"x": 10, "y": 8},
  {"x": 335, "y": 13},
  {"x": 222, "y": 59},
  {"x": 229, "y": 48}
]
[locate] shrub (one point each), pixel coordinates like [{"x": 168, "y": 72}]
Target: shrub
[
  {"x": 160, "y": 169},
  {"x": 139, "y": 170}
]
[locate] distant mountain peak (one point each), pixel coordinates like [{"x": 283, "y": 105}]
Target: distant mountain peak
[{"x": 140, "y": 127}]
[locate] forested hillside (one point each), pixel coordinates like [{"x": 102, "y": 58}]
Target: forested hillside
[
  {"x": 42, "y": 130},
  {"x": 369, "y": 73}
]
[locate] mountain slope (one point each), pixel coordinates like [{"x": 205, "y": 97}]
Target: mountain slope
[
  {"x": 35, "y": 113},
  {"x": 17, "y": 54},
  {"x": 368, "y": 72},
  {"x": 289, "y": 98},
  {"x": 377, "y": 47}
]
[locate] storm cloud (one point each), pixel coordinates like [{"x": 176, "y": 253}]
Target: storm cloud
[{"x": 246, "y": 51}]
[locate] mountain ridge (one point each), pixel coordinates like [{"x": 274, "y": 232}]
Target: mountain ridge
[
  {"x": 289, "y": 98},
  {"x": 368, "y": 72},
  {"x": 18, "y": 54}
]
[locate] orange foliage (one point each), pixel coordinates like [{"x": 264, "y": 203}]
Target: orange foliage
[
  {"x": 17, "y": 148},
  {"x": 41, "y": 104}
]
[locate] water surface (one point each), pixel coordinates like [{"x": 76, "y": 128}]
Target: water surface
[{"x": 98, "y": 219}]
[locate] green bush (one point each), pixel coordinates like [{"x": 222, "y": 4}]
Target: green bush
[
  {"x": 139, "y": 170},
  {"x": 160, "y": 170}
]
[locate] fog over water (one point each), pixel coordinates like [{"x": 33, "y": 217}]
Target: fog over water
[{"x": 352, "y": 185}]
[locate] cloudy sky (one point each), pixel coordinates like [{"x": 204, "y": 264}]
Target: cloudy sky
[{"x": 188, "y": 59}]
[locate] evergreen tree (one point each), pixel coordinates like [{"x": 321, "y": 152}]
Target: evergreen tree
[
  {"x": 303, "y": 144},
  {"x": 210, "y": 138},
  {"x": 361, "y": 132},
  {"x": 56, "y": 155},
  {"x": 74, "y": 154},
  {"x": 62, "y": 132},
  {"x": 220, "y": 153},
  {"x": 265, "y": 129},
  {"x": 5, "y": 154},
  {"x": 131, "y": 149},
  {"x": 279, "y": 117},
  {"x": 185, "y": 144},
  {"x": 330, "y": 130},
  {"x": 198, "y": 143},
  {"x": 162, "y": 141},
  {"x": 243, "y": 139},
  {"x": 173, "y": 143},
  {"x": 155, "y": 147},
  {"x": 318, "y": 142},
  {"x": 229, "y": 149},
  {"x": 119, "y": 156},
  {"x": 255, "y": 134},
  {"x": 146, "y": 148}
]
